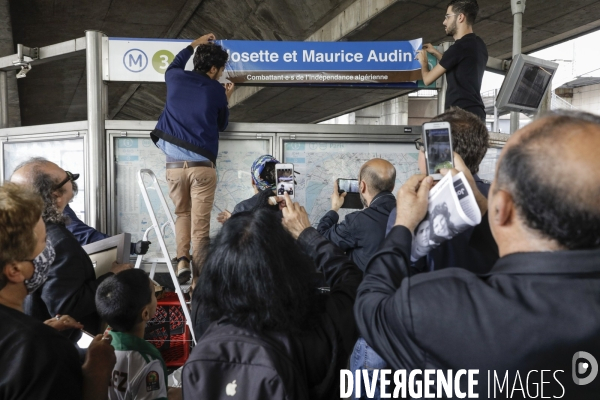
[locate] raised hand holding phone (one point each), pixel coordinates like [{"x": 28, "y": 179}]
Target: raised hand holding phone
[
  {"x": 351, "y": 197},
  {"x": 437, "y": 139},
  {"x": 337, "y": 198},
  {"x": 284, "y": 178}
]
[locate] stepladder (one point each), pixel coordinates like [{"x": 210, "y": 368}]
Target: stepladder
[{"x": 159, "y": 230}]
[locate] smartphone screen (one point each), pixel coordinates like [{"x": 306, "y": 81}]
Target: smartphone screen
[
  {"x": 85, "y": 340},
  {"x": 348, "y": 185},
  {"x": 285, "y": 179},
  {"x": 439, "y": 147}
]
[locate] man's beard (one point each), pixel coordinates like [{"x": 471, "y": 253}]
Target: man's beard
[
  {"x": 451, "y": 30},
  {"x": 363, "y": 201}
]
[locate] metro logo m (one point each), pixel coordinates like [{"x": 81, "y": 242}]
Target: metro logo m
[{"x": 135, "y": 60}]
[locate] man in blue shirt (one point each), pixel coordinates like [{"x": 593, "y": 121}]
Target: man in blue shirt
[
  {"x": 187, "y": 131},
  {"x": 85, "y": 234}
]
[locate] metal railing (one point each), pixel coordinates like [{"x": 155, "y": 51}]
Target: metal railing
[
  {"x": 489, "y": 98},
  {"x": 557, "y": 102},
  {"x": 424, "y": 93}
]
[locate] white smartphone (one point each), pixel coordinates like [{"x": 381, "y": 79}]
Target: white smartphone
[
  {"x": 284, "y": 174},
  {"x": 437, "y": 138}
]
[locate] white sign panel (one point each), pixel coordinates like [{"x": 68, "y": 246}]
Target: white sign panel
[{"x": 142, "y": 60}]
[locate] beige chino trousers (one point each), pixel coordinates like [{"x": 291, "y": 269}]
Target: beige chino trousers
[{"x": 192, "y": 190}]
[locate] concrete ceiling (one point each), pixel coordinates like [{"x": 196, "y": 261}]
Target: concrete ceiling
[{"x": 55, "y": 92}]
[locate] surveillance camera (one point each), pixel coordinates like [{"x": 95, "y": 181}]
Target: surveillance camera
[{"x": 24, "y": 70}]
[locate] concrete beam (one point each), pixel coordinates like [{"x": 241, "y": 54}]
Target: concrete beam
[
  {"x": 187, "y": 11},
  {"x": 351, "y": 19},
  {"x": 53, "y": 52},
  {"x": 497, "y": 65},
  {"x": 554, "y": 40}
]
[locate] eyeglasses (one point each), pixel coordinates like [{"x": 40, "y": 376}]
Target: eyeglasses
[
  {"x": 449, "y": 15},
  {"x": 419, "y": 144},
  {"x": 70, "y": 177}
]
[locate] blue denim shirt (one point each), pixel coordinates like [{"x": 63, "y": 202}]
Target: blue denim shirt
[{"x": 175, "y": 153}]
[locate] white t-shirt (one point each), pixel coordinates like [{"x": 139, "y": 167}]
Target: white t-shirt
[{"x": 140, "y": 372}]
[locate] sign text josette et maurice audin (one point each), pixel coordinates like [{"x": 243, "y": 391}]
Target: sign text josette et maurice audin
[{"x": 322, "y": 62}]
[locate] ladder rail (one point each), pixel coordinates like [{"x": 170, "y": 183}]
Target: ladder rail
[{"x": 159, "y": 231}]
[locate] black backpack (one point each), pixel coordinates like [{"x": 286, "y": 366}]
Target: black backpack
[{"x": 237, "y": 363}]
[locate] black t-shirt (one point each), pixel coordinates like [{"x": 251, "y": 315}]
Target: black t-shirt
[
  {"x": 465, "y": 63},
  {"x": 36, "y": 362}
]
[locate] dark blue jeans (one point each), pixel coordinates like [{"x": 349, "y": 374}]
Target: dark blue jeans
[{"x": 364, "y": 357}]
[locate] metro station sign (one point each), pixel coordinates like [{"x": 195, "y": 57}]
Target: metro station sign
[{"x": 272, "y": 63}]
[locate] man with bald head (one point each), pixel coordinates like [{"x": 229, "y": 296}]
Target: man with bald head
[
  {"x": 362, "y": 231},
  {"x": 534, "y": 316},
  {"x": 71, "y": 284}
]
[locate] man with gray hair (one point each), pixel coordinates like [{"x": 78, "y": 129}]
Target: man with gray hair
[
  {"x": 71, "y": 284},
  {"x": 536, "y": 311}
]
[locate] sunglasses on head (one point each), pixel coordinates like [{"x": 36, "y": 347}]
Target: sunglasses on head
[{"x": 70, "y": 177}]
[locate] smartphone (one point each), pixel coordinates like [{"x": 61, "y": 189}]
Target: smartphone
[
  {"x": 85, "y": 340},
  {"x": 347, "y": 185},
  {"x": 437, "y": 138},
  {"x": 352, "y": 199},
  {"x": 284, "y": 176}
]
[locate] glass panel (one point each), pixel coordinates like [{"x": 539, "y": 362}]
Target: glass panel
[
  {"x": 320, "y": 163},
  {"x": 66, "y": 153},
  {"x": 132, "y": 154},
  {"x": 487, "y": 168}
]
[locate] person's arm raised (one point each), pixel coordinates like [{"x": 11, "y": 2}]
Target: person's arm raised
[
  {"x": 382, "y": 308},
  {"x": 184, "y": 55},
  {"x": 428, "y": 47},
  {"x": 204, "y": 39},
  {"x": 341, "y": 274},
  {"x": 329, "y": 259},
  {"x": 337, "y": 199},
  {"x": 460, "y": 166},
  {"x": 429, "y": 76}
]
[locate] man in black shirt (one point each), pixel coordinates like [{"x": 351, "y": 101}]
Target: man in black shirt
[
  {"x": 463, "y": 63},
  {"x": 537, "y": 309}
]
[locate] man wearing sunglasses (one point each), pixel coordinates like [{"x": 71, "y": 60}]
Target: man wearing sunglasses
[
  {"x": 463, "y": 63},
  {"x": 71, "y": 285}
]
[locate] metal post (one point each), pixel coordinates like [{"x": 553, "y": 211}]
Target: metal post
[
  {"x": 444, "y": 87},
  {"x": 518, "y": 8},
  {"x": 3, "y": 100},
  {"x": 496, "y": 128},
  {"x": 95, "y": 215},
  {"x": 546, "y": 104}
]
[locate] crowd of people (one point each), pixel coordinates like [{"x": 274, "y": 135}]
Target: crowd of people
[{"x": 281, "y": 307}]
